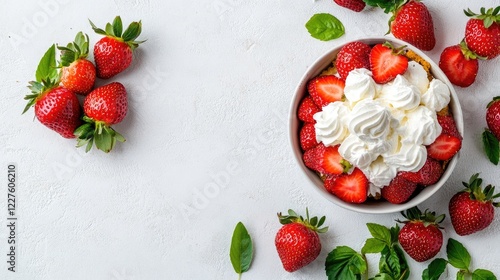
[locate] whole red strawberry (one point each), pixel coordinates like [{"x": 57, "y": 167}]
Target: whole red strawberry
[
  {"x": 399, "y": 190},
  {"x": 472, "y": 210},
  {"x": 113, "y": 53},
  {"x": 482, "y": 32},
  {"x": 354, "y": 5},
  {"x": 297, "y": 241},
  {"x": 351, "y": 56},
  {"x": 77, "y": 72},
  {"x": 103, "y": 107},
  {"x": 410, "y": 22},
  {"x": 55, "y": 107},
  {"x": 413, "y": 24},
  {"x": 493, "y": 116},
  {"x": 459, "y": 64},
  {"x": 421, "y": 236}
]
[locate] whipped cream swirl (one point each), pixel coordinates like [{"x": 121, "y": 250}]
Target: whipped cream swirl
[
  {"x": 400, "y": 94},
  {"x": 437, "y": 95},
  {"x": 371, "y": 121},
  {"x": 331, "y": 124},
  {"x": 417, "y": 76},
  {"x": 359, "y": 85}
]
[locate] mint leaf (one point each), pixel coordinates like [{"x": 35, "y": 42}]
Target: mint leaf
[
  {"x": 435, "y": 269},
  {"x": 325, "y": 27},
  {"x": 491, "y": 147},
  {"x": 345, "y": 263},
  {"x": 393, "y": 262},
  {"x": 47, "y": 66},
  {"x": 483, "y": 274},
  {"x": 458, "y": 256},
  {"x": 380, "y": 232},
  {"x": 241, "y": 251},
  {"x": 373, "y": 245}
]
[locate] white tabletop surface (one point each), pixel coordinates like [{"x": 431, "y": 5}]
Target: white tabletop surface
[{"x": 207, "y": 142}]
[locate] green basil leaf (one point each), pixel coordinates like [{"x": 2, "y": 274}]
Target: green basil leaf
[
  {"x": 241, "y": 251},
  {"x": 47, "y": 66},
  {"x": 435, "y": 269},
  {"x": 372, "y": 246},
  {"x": 491, "y": 147},
  {"x": 325, "y": 27},
  {"x": 345, "y": 263},
  {"x": 380, "y": 232},
  {"x": 483, "y": 274},
  {"x": 458, "y": 256}
]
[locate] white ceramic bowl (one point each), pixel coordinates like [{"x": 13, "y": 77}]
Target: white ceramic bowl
[{"x": 373, "y": 207}]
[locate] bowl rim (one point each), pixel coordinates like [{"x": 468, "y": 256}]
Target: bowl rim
[{"x": 376, "y": 207}]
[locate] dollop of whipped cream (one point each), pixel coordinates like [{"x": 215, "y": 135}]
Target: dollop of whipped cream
[
  {"x": 371, "y": 121},
  {"x": 437, "y": 95},
  {"x": 383, "y": 129},
  {"x": 421, "y": 127},
  {"x": 400, "y": 94},
  {"x": 416, "y": 75},
  {"x": 331, "y": 124},
  {"x": 359, "y": 85}
]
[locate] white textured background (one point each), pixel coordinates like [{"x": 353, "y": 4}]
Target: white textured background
[{"x": 207, "y": 142}]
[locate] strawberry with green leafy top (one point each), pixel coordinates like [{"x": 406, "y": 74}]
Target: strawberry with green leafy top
[
  {"x": 297, "y": 241},
  {"x": 421, "y": 236},
  {"x": 459, "y": 64},
  {"x": 55, "y": 107},
  {"x": 411, "y": 21},
  {"x": 113, "y": 53},
  {"x": 77, "y": 72},
  {"x": 472, "y": 209},
  {"x": 482, "y": 32},
  {"x": 387, "y": 62},
  {"x": 104, "y": 106}
]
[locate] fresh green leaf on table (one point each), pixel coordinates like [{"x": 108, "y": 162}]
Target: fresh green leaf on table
[
  {"x": 491, "y": 147},
  {"x": 373, "y": 246},
  {"x": 325, "y": 27},
  {"x": 435, "y": 269},
  {"x": 457, "y": 255},
  {"x": 345, "y": 263},
  {"x": 380, "y": 232},
  {"x": 483, "y": 274},
  {"x": 241, "y": 251},
  {"x": 47, "y": 68}
]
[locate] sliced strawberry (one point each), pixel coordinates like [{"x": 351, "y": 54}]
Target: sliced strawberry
[
  {"x": 308, "y": 137},
  {"x": 354, "y": 5},
  {"x": 399, "y": 190},
  {"x": 307, "y": 109},
  {"x": 458, "y": 65},
  {"x": 333, "y": 163},
  {"x": 326, "y": 160},
  {"x": 449, "y": 126},
  {"x": 352, "y": 188},
  {"x": 445, "y": 147},
  {"x": 427, "y": 175},
  {"x": 351, "y": 56},
  {"x": 386, "y": 63},
  {"x": 326, "y": 89}
]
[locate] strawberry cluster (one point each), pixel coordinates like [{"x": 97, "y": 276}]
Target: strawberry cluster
[
  {"x": 481, "y": 41},
  {"x": 57, "y": 84},
  {"x": 341, "y": 177}
]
